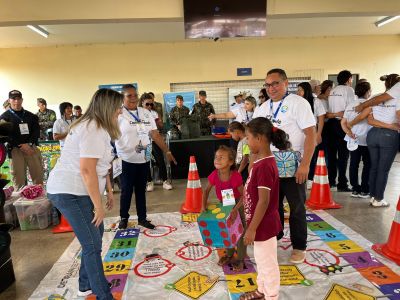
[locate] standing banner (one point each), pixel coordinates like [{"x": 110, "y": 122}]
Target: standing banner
[
  {"x": 189, "y": 99},
  {"x": 50, "y": 151}
]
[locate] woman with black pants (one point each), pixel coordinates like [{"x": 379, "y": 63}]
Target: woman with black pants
[{"x": 138, "y": 129}]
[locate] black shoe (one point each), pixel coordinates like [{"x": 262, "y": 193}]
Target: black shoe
[
  {"x": 364, "y": 195},
  {"x": 355, "y": 194},
  {"x": 146, "y": 224},
  {"x": 344, "y": 190},
  {"x": 123, "y": 223}
]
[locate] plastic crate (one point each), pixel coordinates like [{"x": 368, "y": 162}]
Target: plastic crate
[
  {"x": 10, "y": 213},
  {"x": 33, "y": 214}
]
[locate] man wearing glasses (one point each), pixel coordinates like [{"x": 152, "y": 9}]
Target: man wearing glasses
[
  {"x": 23, "y": 142},
  {"x": 138, "y": 128},
  {"x": 292, "y": 114}
]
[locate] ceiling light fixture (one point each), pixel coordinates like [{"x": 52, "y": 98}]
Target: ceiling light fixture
[
  {"x": 39, "y": 30},
  {"x": 386, "y": 20}
]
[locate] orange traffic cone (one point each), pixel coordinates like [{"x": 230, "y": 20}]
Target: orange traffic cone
[
  {"x": 194, "y": 193},
  {"x": 391, "y": 249},
  {"x": 320, "y": 196},
  {"x": 63, "y": 226}
]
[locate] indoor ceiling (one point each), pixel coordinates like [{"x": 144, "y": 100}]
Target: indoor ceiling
[
  {"x": 83, "y": 22},
  {"x": 67, "y": 34}
]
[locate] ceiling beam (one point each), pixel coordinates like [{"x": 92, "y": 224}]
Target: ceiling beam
[
  {"x": 52, "y": 12},
  {"x": 44, "y": 12},
  {"x": 333, "y": 8}
]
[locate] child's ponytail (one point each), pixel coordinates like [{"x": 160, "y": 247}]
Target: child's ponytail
[
  {"x": 276, "y": 136},
  {"x": 280, "y": 139}
]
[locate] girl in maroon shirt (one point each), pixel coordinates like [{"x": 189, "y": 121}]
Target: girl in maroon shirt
[{"x": 261, "y": 196}]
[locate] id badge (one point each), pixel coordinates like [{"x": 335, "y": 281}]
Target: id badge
[
  {"x": 228, "y": 198},
  {"x": 117, "y": 167},
  {"x": 23, "y": 128},
  {"x": 141, "y": 130}
]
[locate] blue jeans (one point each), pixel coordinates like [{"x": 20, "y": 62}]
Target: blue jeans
[
  {"x": 382, "y": 146},
  {"x": 78, "y": 210}
]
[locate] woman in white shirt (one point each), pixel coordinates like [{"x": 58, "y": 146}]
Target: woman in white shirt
[
  {"x": 241, "y": 114},
  {"x": 383, "y": 138},
  {"x": 61, "y": 126},
  {"x": 78, "y": 180},
  {"x": 356, "y": 138},
  {"x": 138, "y": 130}
]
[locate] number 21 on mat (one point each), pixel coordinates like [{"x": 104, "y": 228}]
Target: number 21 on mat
[{"x": 242, "y": 283}]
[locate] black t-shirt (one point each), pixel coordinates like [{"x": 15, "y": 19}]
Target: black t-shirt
[{"x": 22, "y": 117}]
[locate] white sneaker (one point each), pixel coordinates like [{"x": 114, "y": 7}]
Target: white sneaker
[
  {"x": 371, "y": 200},
  {"x": 333, "y": 189},
  {"x": 381, "y": 203},
  {"x": 298, "y": 256},
  {"x": 309, "y": 184},
  {"x": 167, "y": 185},
  {"x": 150, "y": 186},
  {"x": 85, "y": 293}
]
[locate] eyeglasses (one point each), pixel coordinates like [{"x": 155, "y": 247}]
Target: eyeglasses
[
  {"x": 261, "y": 97},
  {"x": 273, "y": 84},
  {"x": 131, "y": 95},
  {"x": 149, "y": 104}
]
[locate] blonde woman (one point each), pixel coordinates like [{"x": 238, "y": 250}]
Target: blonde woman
[{"x": 78, "y": 180}]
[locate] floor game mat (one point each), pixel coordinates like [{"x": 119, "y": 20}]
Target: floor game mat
[{"x": 171, "y": 262}]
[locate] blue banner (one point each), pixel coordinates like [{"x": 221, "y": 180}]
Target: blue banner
[
  {"x": 116, "y": 87},
  {"x": 189, "y": 99}
]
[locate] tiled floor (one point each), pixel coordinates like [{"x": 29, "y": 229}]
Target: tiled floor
[{"x": 34, "y": 252}]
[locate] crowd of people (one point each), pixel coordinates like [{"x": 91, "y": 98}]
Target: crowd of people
[{"x": 121, "y": 127}]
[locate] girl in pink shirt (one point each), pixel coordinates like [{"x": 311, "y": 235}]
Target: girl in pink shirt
[
  {"x": 261, "y": 198},
  {"x": 225, "y": 177}
]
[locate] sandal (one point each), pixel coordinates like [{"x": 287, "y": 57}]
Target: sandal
[
  {"x": 237, "y": 265},
  {"x": 224, "y": 260},
  {"x": 254, "y": 295}
]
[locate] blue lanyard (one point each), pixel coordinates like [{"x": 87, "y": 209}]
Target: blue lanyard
[
  {"x": 247, "y": 117},
  {"x": 275, "y": 114},
  {"x": 23, "y": 114},
  {"x": 65, "y": 120},
  {"x": 137, "y": 119}
]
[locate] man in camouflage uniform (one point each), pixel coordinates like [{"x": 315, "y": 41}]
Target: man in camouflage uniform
[
  {"x": 47, "y": 117},
  {"x": 178, "y": 113},
  {"x": 203, "y": 109}
]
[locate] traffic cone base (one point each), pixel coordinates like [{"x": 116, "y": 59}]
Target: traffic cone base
[
  {"x": 194, "y": 193},
  {"x": 320, "y": 196},
  {"x": 384, "y": 250},
  {"x": 63, "y": 226},
  {"x": 391, "y": 249}
]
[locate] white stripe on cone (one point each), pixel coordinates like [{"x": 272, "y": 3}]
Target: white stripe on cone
[
  {"x": 193, "y": 184},
  {"x": 321, "y": 161},
  {"x": 192, "y": 167},
  {"x": 321, "y": 179},
  {"x": 397, "y": 217}
]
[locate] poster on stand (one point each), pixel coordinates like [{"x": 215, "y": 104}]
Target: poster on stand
[{"x": 189, "y": 99}]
